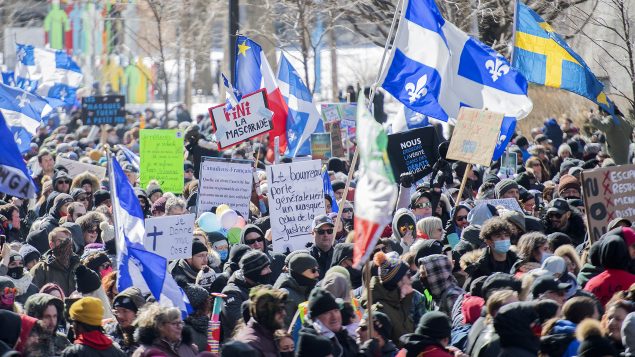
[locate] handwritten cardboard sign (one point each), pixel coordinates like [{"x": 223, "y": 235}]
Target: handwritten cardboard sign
[
  {"x": 161, "y": 153},
  {"x": 75, "y": 167},
  {"x": 337, "y": 147},
  {"x": 475, "y": 136},
  {"x": 248, "y": 119},
  {"x": 296, "y": 196},
  {"x": 225, "y": 181},
  {"x": 608, "y": 193},
  {"x": 107, "y": 109},
  {"x": 170, "y": 236}
]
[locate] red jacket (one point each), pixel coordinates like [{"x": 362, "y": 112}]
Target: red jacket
[{"x": 607, "y": 283}]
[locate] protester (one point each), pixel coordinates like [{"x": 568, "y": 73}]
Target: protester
[{"x": 160, "y": 329}]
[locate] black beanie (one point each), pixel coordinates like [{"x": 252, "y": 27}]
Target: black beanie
[
  {"x": 338, "y": 185},
  {"x": 252, "y": 264},
  {"x": 382, "y": 324},
  {"x": 301, "y": 262},
  {"x": 86, "y": 280},
  {"x": 505, "y": 185},
  {"x": 214, "y": 237},
  {"x": 198, "y": 246},
  {"x": 237, "y": 348},
  {"x": 321, "y": 301},
  {"x": 435, "y": 325},
  {"x": 310, "y": 345},
  {"x": 100, "y": 196}
]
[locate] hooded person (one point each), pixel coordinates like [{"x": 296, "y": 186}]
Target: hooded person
[
  {"x": 431, "y": 337},
  {"x": 143, "y": 201},
  {"x": 592, "y": 340},
  {"x": 267, "y": 314},
  {"x": 236, "y": 252},
  {"x": 61, "y": 181},
  {"x": 337, "y": 282},
  {"x": 343, "y": 256},
  {"x": 614, "y": 258},
  {"x": 456, "y": 223},
  {"x": 392, "y": 291},
  {"x": 198, "y": 320},
  {"x": 17, "y": 330},
  {"x": 254, "y": 270},
  {"x": 58, "y": 263},
  {"x": 436, "y": 274},
  {"x": 38, "y": 238},
  {"x": 50, "y": 311},
  {"x": 20, "y": 277},
  {"x": 515, "y": 324},
  {"x": 126, "y": 306},
  {"x": 403, "y": 230},
  {"x": 7, "y": 294},
  {"x": 298, "y": 282},
  {"x": 469, "y": 241},
  {"x": 219, "y": 243},
  {"x": 88, "y": 283},
  {"x": 251, "y": 233}
]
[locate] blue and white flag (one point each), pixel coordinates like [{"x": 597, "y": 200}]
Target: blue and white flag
[
  {"x": 138, "y": 267},
  {"x": 49, "y": 73},
  {"x": 303, "y": 118},
  {"x": 131, "y": 157},
  {"x": 8, "y": 78},
  {"x": 232, "y": 95},
  {"x": 328, "y": 189},
  {"x": 14, "y": 176},
  {"x": 450, "y": 69},
  {"x": 23, "y": 113}
]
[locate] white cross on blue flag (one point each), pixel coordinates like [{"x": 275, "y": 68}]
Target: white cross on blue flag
[{"x": 450, "y": 70}]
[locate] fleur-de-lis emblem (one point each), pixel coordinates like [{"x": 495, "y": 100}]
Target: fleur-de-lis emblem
[
  {"x": 418, "y": 91},
  {"x": 18, "y": 139},
  {"x": 21, "y": 54},
  {"x": 497, "y": 68},
  {"x": 501, "y": 139},
  {"x": 291, "y": 136},
  {"x": 63, "y": 94},
  {"x": 24, "y": 100}
]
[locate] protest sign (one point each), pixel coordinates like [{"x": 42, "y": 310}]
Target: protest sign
[
  {"x": 248, "y": 119},
  {"x": 337, "y": 147},
  {"x": 296, "y": 196},
  {"x": 413, "y": 150},
  {"x": 509, "y": 163},
  {"x": 107, "y": 109},
  {"x": 475, "y": 136},
  {"x": 509, "y": 203},
  {"x": 225, "y": 181},
  {"x": 170, "y": 236},
  {"x": 161, "y": 153},
  {"x": 321, "y": 146},
  {"x": 75, "y": 167},
  {"x": 609, "y": 193},
  {"x": 346, "y": 113}
]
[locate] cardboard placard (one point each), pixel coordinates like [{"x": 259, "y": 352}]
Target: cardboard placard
[
  {"x": 105, "y": 109},
  {"x": 248, "y": 119},
  {"x": 75, "y": 167},
  {"x": 225, "y": 181},
  {"x": 608, "y": 193},
  {"x": 321, "y": 146},
  {"x": 475, "y": 136},
  {"x": 413, "y": 150},
  {"x": 161, "y": 153},
  {"x": 337, "y": 146},
  {"x": 170, "y": 236},
  {"x": 296, "y": 196},
  {"x": 346, "y": 113}
]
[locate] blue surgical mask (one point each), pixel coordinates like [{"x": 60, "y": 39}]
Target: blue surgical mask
[
  {"x": 544, "y": 256},
  {"x": 502, "y": 246},
  {"x": 223, "y": 255}
]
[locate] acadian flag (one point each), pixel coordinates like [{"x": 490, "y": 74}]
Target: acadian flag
[
  {"x": 376, "y": 191},
  {"x": 545, "y": 58}
]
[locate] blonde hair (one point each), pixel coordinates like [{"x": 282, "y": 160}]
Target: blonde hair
[
  {"x": 154, "y": 316},
  {"x": 428, "y": 225},
  {"x": 569, "y": 252},
  {"x": 497, "y": 300}
]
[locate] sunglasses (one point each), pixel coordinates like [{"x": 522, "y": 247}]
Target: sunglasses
[
  {"x": 461, "y": 218},
  {"x": 64, "y": 182},
  {"x": 315, "y": 270},
  {"x": 347, "y": 210},
  {"x": 257, "y": 240},
  {"x": 82, "y": 198},
  {"x": 555, "y": 215},
  {"x": 91, "y": 230},
  {"x": 406, "y": 227},
  {"x": 423, "y": 205},
  {"x": 324, "y": 231}
]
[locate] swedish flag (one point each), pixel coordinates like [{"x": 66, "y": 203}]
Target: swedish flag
[{"x": 545, "y": 58}]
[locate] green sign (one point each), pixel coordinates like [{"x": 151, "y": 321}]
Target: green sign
[{"x": 161, "y": 154}]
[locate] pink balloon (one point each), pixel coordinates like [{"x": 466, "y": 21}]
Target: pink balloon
[{"x": 240, "y": 222}]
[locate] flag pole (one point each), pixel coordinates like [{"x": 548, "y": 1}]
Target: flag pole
[
  {"x": 348, "y": 184},
  {"x": 369, "y": 295},
  {"x": 468, "y": 168},
  {"x": 514, "y": 21}
]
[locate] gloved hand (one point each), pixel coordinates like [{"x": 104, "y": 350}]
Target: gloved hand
[
  {"x": 206, "y": 277},
  {"x": 107, "y": 232},
  {"x": 405, "y": 179}
]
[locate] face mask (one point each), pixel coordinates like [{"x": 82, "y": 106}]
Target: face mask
[
  {"x": 63, "y": 252},
  {"x": 544, "y": 257},
  {"x": 223, "y": 255},
  {"x": 356, "y": 277},
  {"x": 105, "y": 272},
  {"x": 15, "y": 273},
  {"x": 303, "y": 280},
  {"x": 6, "y": 301},
  {"x": 264, "y": 279},
  {"x": 502, "y": 246},
  {"x": 287, "y": 354}
]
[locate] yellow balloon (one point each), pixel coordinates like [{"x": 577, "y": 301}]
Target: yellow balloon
[{"x": 222, "y": 208}]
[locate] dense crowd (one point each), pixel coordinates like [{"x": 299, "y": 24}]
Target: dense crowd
[{"x": 450, "y": 276}]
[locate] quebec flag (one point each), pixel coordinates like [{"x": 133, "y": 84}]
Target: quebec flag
[
  {"x": 138, "y": 267},
  {"x": 435, "y": 68},
  {"x": 303, "y": 118},
  {"x": 14, "y": 176},
  {"x": 23, "y": 113},
  {"x": 49, "y": 73}
]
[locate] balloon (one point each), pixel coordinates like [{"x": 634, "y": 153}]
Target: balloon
[
  {"x": 233, "y": 235},
  {"x": 222, "y": 208},
  {"x": 240, "y": 222},
  {"x": 228, "y": 218},
  {"x": 208, "y": 222}
]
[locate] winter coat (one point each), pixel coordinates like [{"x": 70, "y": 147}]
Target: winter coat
[
  {"x": 80, "y": 350},
  {"x": 513, "y": 325},
  {"x": 486, "y": 344},
  {"x": 343, "y": 344},
  {"x": 149, "y": 339},
  {"x": 614, "y": 257},
  {"x": 297, "y": 294},
  {"x": 49, "y": 270},
  {"x": 576, "y": 229},
  {"x": 452, "y": 231},
  {"x": 258, "y": 337},
  {"x": 587, "y": 272},
  {"x": 416, "y": 345},
  {"x": 553, "y": 131},
  {"x": 324, "y": 259},
  {"x": 237, "y": 291},
  {"x": 486, "y": 266},
  {"x": 125, "y": 339},
  {"x": 276, "y": 259},
  {"x": 198, "y": 327},
  {"x": 561, "y": 340},
  {"x": 441, "y": 283},
  {"x": 180, "y": 269},
  {"x": 39, "y": 238},
  {"x": 390, "y": 303}
]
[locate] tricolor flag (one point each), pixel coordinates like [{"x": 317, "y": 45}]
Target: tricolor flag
[
  {"x": 252, "y": 72},
  {"x": 376, "y": 191}
]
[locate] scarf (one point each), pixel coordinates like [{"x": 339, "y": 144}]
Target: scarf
[
  {"x": 23, "y": 283},
  {"x": 187, "y": 269},
  {"x": 63, "y": 253},
  {"x": 94, "y": 339}
]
